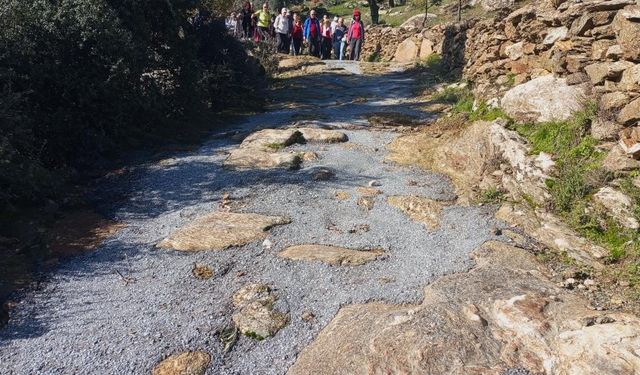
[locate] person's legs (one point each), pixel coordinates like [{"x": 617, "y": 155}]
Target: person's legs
[
  {"x": 314, "y": 47},
  {"x": 342, "y": 47},
  {"x": 357, "y": 51},
  {"x": 296, "y": 46},
  {"x": 352, "y": 49}
]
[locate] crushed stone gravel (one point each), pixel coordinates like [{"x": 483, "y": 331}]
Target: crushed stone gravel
[{"x": 84, "y": 318}]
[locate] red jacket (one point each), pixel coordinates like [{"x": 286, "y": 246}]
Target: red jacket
[
  {"x": 297, "y": 32},
  {"x": 354, "y": 23}
]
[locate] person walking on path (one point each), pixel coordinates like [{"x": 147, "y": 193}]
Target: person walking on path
[
  {"x": 339, "y": 36},
  {"x": 296, "y": 34},
  {"x": 355, "y": 36},
  {"x": 264, "y": 21},
  {"x": 247, "y": 26},
  {"x": 281, "y": 25},
  {"x": 325, "y": 30},
  {"x": 290, "y": 18},
  {"x": 312, "y": 34}
]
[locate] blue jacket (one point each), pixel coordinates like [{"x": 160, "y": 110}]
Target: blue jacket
[{"x": 307, "y": 28}]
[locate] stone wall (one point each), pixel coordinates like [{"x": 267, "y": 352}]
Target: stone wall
[{"x": 590, "y": 45}]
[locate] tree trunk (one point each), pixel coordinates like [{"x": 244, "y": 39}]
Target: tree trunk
[
  {"x": 459, "y": 10},
  {"x": 373, "y": 5},
  {"x": 392, "y": 3},
  {"x": 426, "y": 13}
]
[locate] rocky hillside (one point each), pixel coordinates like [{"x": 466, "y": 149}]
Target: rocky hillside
[{"x": 566, "y": 76}]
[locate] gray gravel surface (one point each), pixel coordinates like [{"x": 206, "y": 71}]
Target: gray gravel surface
[{"x": 85, "y": 319}]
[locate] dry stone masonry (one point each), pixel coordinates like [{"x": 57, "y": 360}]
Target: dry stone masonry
[{"x": 564, "y": 51}]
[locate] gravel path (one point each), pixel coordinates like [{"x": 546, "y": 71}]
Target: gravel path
[{"x": 85, "y": 319}]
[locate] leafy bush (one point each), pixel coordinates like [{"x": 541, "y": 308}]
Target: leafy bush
[{"x": 80, "y": 79}]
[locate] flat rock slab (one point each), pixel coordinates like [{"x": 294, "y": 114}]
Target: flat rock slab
[
  {"x": 332, "y": 255},
  {"x": 255, "y": 315},
  {"x": 248, "y": 158},
  {"x": 221, "y": 230},
  {"x": 424, "y": 210},
  {"x": 190, "y": 363},
  {"x": 266, "y": 149},
  {"x": 503, "y": 314}
]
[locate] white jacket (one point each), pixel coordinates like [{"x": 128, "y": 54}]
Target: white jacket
[{"x": 282, "y": 24}]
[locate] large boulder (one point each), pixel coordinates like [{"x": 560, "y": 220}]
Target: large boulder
[
  {"x": 407, "y": 51},
  {"x": 543, "y": 99},
  {"x": 480, "y": 157},
  {"x": 503, "y": 314},
  {"x": 491, "y": 5},
  {"x": 627, "y": 28},
  {"x": 416, "y": 21}
]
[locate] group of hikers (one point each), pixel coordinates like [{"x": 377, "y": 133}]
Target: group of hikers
[{"x": 324, "y": 38}]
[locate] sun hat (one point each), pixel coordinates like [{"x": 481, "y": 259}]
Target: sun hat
[{"x": 356, "y": 13}]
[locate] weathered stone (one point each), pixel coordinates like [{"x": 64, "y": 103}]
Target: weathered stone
[
  {"x": 576, "y": 62},
  {"x": 426, "y": 48},
  {"x": 366, "y": 202},
  {"x": 248, "y": 158},
  {"x": 368, "y": 191},
  {"x": 221, "y": 230},
  {"x": 332, "y": 255},
  {"x": 614, "y": 52},
  {"x": 543, "y": 99},
  {"x": 627, "y": 28},
  {"x": 190, "y": 363},
  {"x": 553, "y": 233},
  {"x": 600, "y": 47},
  {"x": 315, "y": 135},
  {"x": 630, "y": 141},
  {"x": 264, "y": 149},
  {"x": 416, "y": 21},
  {"x": 590, "y": 20},
  {"x": 613, "y": 101},
  {"x": 424, "y": 210},
  {"x": 598, "y": 72},
  {"x": 342, "y": 195},
  {"x": 255, "y": 315},
  {"x": 492, "y": 5},
  {"x": 630, "y": 79},
  {"x": 515, "y": 51},
  {"x": 503, "y": 313},
  {"x": 555, "y": 34},
  {"x": 617, "y": 205},
  {"x": 469, "y": 158},
  {"x": 630, "y": 114},
  {"x": 604, "y": 130},
  {"x": 407, "y": 51},
  {"x": 617, "y": 161}
]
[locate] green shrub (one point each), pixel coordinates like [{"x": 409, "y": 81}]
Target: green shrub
[{"x": 81, "y": 78}]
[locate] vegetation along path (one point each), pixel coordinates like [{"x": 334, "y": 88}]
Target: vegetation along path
[{"x": 291, "y": 243}]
